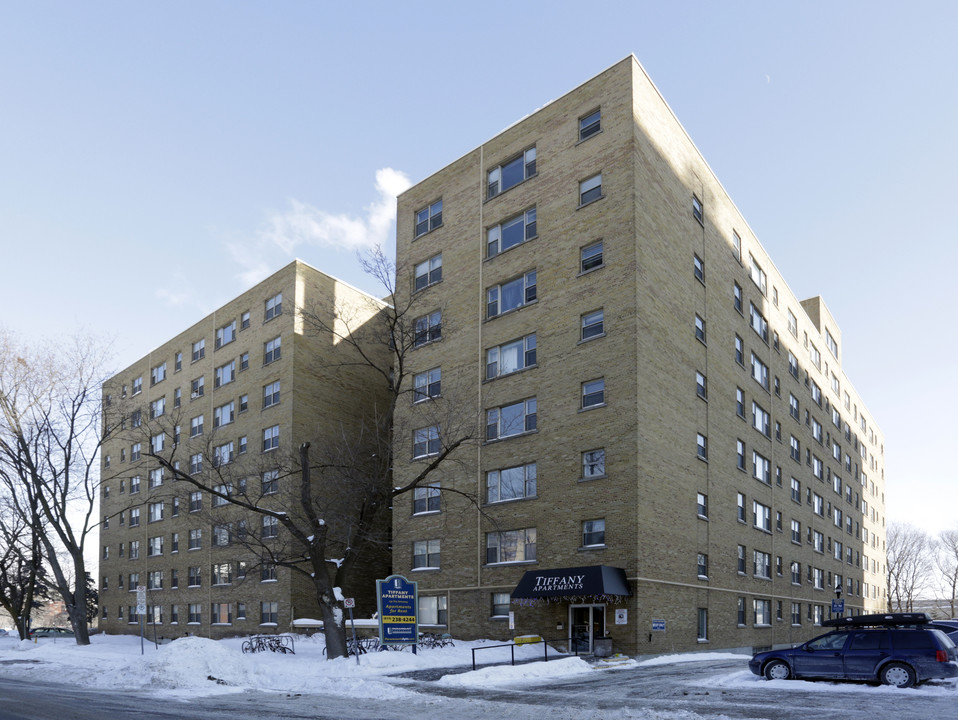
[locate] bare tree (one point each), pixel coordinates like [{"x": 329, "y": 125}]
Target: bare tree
[
  {"x": 23, "y": 580},
  {"x": 49, "y": 442},
  {"x": 909, "y": 562},
  {"x": 946, "y": 564},
  {"x": 334, "y": 508}
]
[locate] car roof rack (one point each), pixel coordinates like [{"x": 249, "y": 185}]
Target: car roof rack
[{"x": 881, "y": 620}]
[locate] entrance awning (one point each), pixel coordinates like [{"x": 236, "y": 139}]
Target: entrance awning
[{"x": 575, "y": 582}]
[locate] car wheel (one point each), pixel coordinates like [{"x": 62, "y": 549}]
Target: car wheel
[
  {"x": 898, "y": 675},
  {"x": 778, "y": 670}
]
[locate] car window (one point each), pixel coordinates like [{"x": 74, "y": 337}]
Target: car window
[
  {"x": 876, "y": 640},
  {"x": 915, "y": 640},
  {"x": 832, "y": 641}
]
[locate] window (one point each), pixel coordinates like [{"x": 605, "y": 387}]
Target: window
[
  {"x": 514, "y": 231},
  {"x": 244, "y": 361},
  {"x": 511, "y": 483},
  {"x": 510, "y": 174},
  {"x": 740, "y": 507},
  {"x": 761, "y": 469},
  {"x": 815, "y": 355},
  {"x": 818, "y": 504},
  {"x": 796, "y": 613},
  {"x": 739, "y": 351},
  {"x": 244, "y": 320},
  {"x": 760, "y": 419},
  {"x": 759, "y": 323},
  {"x": 196, "y": 501},
  {"x": 740, "y": 402},
  {"x": 511, "y": 295},
  {"x": 270, "y": 527},
  {"x": 761, "y": 564},
  {"x": 223, "y": 454},
  {"x": 593, "y": 324},
  {"x": 134, "y": 517},
  {"x": 831, "y": 343},
  {"x": 590, "y": 189},
  {"x": 701, "y": 387},
  {"x": 195, "y": 615},
  {"x": 178, "y": 362},
  {"x": 740, "y": 454},
  {"x": 243, "y": 403},
  {"x": 761, "y": 516},
  {"x": 425, "y": 499},
  {"x": 428, "y": 328},
  {"x": 174, "y": 545},
  {"x": 509, "y": 420},
  {"x": 589, "y": 125},
  {"x": 270, "y": 394},
  {"x": 199, "y": 350},
  {"x": 509, "y": 357},
  {"x": 156, "y": 477},
  {"x": 429, "y": 218},
  {"x": 702, "y": 565},
  {"x": 757, "y": 274},
  {"x": 593, "y": 393},
  {"x": 425, "y": 554},
  {"x": 271, "y": 438},
  {"x": 593, "y": 533},
  {"x": 741, "y": 611},
  {"x": 225, "y": 335},
  {"x": 221, "y": 614},
  {"x": 792, "y": 324},
  {"x": 796, "y": 490},
  {"x": 269, "y": 613},
  {"x": 593, "y": 463},
  {"x": 736, "y": 246},
  {"x": 426, "y": 442},
  {"x": 157, "y": 408},
  {"x": 793, "y": 406},
  {"x": 511, "y": 546},
  {"x": 158, "y": 374},
  {"x": 737, "y": 296},
  {"x": 272, "y": 350},
  {"x": 270, "y": 482},
  {"x": 274, "y": 306},
  {"x": 759, "y": 371},
  {"x": 699, "y": 328},
  {"x": 702, "y": 447},
  {"x": 196, "y": 426},
  {"x": 816, "y": 430},
  {"x": 134, "y": 453},
  {"x": 428, "y": 272},
  {"x": 818, "y": 541},
  {"x": 816, "y": 393},
  {"x": 590, "y": 257},
  {"x": 698, "y": 268},
  {"x": 222, "y": 534},
  {"x": 267, "y": 572},
  {"x": 698, "y": 212},
  {"x": 426, "y": 385},
  {"x": 137, "y": 385},
  {"x": 196, "y": 388},
  {"x": 154, "y": 546},
  {"x": 818, "y": 578},
  {"x": 433, "y": 610},
  {"x": 224, "y": 414},
  {"x": 134, "y": 484},
  {"x": 796, "y": 532},
  {"x": 762, "y": 610},
  {"x": 157, "y": 442},
  {"x": 702, "y": 505},
  {"x": 156, "y": 511}
]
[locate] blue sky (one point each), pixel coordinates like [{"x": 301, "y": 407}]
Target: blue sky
[{"x": 156, "y": 159}]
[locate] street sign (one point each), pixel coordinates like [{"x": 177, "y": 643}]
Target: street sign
[
  {"x": 398, "y": 602},
  {"x": 140, "y": 599},
  {"x": 838, "y": 607},
  {"x": 349, "y": 602},
  {"x": 658, "y": 625}
]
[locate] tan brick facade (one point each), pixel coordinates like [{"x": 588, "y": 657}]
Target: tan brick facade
[
  {"x": 663, "y": 219},
  {"x": 317, "y": 397}
]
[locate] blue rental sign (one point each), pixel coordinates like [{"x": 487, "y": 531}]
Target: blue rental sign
[
  {"x": 838, "y": 607},
  {"x": 398, "y": 601}
]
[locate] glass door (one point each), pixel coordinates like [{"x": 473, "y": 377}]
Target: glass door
[{"x": 586, "y": 623}]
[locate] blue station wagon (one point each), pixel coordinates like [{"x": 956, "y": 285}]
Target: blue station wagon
[{"x": 895, "y": 649}]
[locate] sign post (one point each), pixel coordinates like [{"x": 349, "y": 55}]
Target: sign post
[
  {"x": 141, "y": 610},
  {"x": 398, "y": 601},
  {"x": 349, "y": 604}
]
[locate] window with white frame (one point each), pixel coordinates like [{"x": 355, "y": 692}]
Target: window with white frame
[
  {"x": 740, "y": 455},
  {"x": 590, "y": 189},
  {"x": 796, "y": 491},
  {"x": 702, "y": 565},
  {"x": 158, "y": 374},
  {"x": 272, "y": 350},
  {"x": 762, "y": 611},
  {"x": 593, "y": 533},
  {"x": 425, "y": 499},
  {"x": 226, "y": 334},
  {"x": 761, "y": 564},
  {"x": 271, "y": 394},
  {"x": 224, "y": 374},
  {"x": 154, "y": 546},
  {"x": 815, "y": 356},
  {"x": 796, "y": 528},
  {"x": 155, "y": 511},
  {"x": 196, "y": 426},
  {"x": 511, "y": 357},
  {"x": 274, "y": 307},
  {"x": 761, "y": 420},
  {"x": 134, "y": 517},
  {"x": 268, "y": 613},
  {"x": 591, "y": 257},
  {"x": 156, "y": 477},
  {"x": 425, "y": 554},
  {"x": 157, "y": 443},
  {"x": 197, "y": 387},
  {"x": 739, "y": 351},
  {"x": 510, "y": 420},
  {"x": 698, "y": 268},
  {"x": 793, "y": 406},
  {"x": 761, "y": 468},
  {"x": 758, "y": 321},
  {"x": 593, "y": 463},
  {"x": 270, "y": 527},
  {"x": 698, "y": 210},
  {"x": 134, "y": 555},
  {"x": 592, "y": 324},
  {"x": 511, "y": 295},
  {"x": 761, "y": 516},
  {"x": 271, "y": 438},
  {"x": 759, "y": 371},
  {"x": 428, "y": 328},
  {"x": 429, "y": 218},
  {"x": 701, "y": 446},
  {"x": 757, "y": 274},
  {"x": 701, "y": 385},
  {"x": 511, "y": 546},
  {"x": 699, "y": 328},
  {"x": 831, "y": 344},
  {"x": 740, "y": 507},
  {"x": 514, "y": 231},
  {"x": 269, "y": 482},
  {"x": 199, "y": 350},
  {"x": 511, "y": 173},
  {"x": 157, "y": 408},
  {"x": 590, "y": 124},
  {"x": 137, "y": 385},
  {"x": 224, "y": 414},
  {"x": 426, "y": 442},
  {"x": 428, "y": 272},
  {"x": 511, "y": 483},
  {"x": 818, "y": 541},
  {"x": 433, "y": 610},
  {"x": 244, "y": 320},
  {"x": 795, "y": 449},
  {"x": 427, "y": 385},
  {"x": 223, "y": 454},
  {"x": 593, "y": 393},
  {"x": 702, "y": 505}
]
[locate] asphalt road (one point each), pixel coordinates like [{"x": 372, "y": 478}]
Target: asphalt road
[{"x": 685, "y": 691}]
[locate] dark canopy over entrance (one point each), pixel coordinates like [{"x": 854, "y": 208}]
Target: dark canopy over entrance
[{"x": 577, "y": 582}]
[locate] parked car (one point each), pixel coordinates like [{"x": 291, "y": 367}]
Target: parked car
[
  {"x": 898, "y": 649},
  {"x": 950, "y": 628},
  {"x": 54, "y": 632}
]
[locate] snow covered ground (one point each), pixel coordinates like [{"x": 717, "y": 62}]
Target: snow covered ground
[{"x": 676, "y": 686}]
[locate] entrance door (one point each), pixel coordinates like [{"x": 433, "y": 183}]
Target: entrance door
[{"x": 586, "y": 623}]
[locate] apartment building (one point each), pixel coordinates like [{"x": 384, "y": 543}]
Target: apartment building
[
  {"x": 671, "y": 454},
  {"x": 229, "y": 400}
]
